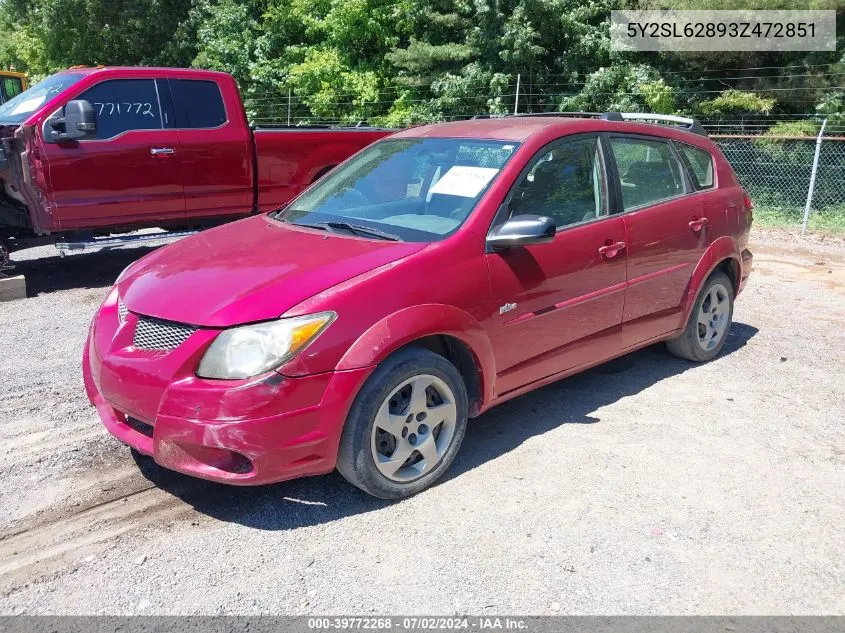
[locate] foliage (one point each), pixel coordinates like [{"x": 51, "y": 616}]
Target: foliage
[
  {"x": 398, "y": 62},
  {"x": 785, "y": 154},
  {"x": 47, "y": 35},
  {"x": 623, "y": 88},
  {"x": 794, "y": 128},
  {"x": 832, "y": 107},
  {"x": 737, "y": 102}
]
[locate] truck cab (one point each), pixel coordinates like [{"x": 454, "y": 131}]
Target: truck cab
[{"x": 106, "y": 150}]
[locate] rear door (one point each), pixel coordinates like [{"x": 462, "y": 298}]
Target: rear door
[
  {"x": 215, "y": 154},
  {"x": 722, "y": 203},
  {"x": 128, "y": 172},
  {"x": 666, "y": 233}
]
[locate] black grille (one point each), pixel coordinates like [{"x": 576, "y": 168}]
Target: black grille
[
  {"x": 141, "y": 427},
  {"x": 161, "y": 335}
]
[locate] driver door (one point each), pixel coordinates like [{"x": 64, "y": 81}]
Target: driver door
[
  {"x": 559, "y": 301},
  {"x": 129, "y": 171}
]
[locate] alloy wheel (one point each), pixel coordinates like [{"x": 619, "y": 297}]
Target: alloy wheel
[
  {"x": 413, "y": 429},
  {"x": 713, "y": 317}
]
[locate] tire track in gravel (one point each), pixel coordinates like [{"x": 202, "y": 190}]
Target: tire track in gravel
[{"x": 48, "y": 541}]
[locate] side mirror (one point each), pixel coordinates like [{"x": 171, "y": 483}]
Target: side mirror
[
  {"x": 522, "y": 230},
  {"x": 77, "y": 123}
]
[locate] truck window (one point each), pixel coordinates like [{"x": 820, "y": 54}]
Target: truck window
[
  {"x": 121, "y": 105},
  {"x": 12, "y": 87},
  {"x": 198, "y": 104}
]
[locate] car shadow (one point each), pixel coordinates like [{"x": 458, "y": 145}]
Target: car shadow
[
  {"x": 323, "y": 499},
  {"x": 81, "y": 270}
]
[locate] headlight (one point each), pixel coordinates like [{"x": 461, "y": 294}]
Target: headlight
[{"x": 250, "y": 350}]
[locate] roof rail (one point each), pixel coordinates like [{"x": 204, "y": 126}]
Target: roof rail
[
  {"x": 691, "y": 125},
  {"x": 540, "y": 114}
]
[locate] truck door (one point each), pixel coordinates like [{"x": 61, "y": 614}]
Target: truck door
[
  {"x": 215, "y": 152},
  {"x": 126, "y": 173}
]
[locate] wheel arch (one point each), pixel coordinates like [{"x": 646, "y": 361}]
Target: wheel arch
[
  {"x": 322, "y": 172},
  {"x": 444, "y": 330},
  {"x": 723, "y": 254}
]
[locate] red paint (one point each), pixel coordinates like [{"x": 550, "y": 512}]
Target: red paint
[
  {"x": 599, "y": 290},
  {"x": 224, "y": 172}
]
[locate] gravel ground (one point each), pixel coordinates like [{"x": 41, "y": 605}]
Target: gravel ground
[{"x": 645, "y": 486}]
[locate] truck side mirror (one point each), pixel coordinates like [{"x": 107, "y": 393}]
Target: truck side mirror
[{"x": 77, "y": 123}]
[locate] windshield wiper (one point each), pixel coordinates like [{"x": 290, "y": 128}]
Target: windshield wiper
[{"x": 358, "y": 229}]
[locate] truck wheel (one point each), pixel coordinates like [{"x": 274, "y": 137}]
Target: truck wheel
[
  {"x": 405, "y": 426},
  {"x": 322, "y": 173},
  {"x": 709, "y": 323},
  {"x": 5, "y": 261}
]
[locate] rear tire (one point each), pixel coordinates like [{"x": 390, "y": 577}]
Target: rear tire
[
  {"x": 405, "y": 426},
  {"x": 709, "y": 322}
]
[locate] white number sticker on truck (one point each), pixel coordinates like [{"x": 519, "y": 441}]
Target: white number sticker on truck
[{"x": 124, "y": 108}]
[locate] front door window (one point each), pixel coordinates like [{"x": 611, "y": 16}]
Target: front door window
[{"x": 566, "y": 183}]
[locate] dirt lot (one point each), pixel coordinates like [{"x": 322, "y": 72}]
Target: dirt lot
[{"x": 646, "y": 486}]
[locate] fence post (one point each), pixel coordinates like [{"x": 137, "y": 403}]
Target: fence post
[
  {"x": 813, "y": 178},
  {"x": 516, "y": 97},
  {"x": 288, "y": 106}
]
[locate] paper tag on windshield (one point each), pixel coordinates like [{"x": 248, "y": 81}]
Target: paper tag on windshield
[{"x": 464, "y": 181}]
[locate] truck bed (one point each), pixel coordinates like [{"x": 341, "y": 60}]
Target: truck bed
[{"x": 289, "y": 159}]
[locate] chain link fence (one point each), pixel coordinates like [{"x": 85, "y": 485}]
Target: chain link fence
[{"x": 777, "y": 173}]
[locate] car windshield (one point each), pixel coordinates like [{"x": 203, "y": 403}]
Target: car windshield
[
  {"x": 18, "y": 109},
  {"x": 412, "y": 189}
]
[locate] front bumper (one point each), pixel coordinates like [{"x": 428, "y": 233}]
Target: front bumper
[{"x": 246, "y": 432}]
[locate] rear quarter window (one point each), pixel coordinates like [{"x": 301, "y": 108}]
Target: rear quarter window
[
  {"x": 198, "y": 104},
  {"x": 700, "y": 163}
]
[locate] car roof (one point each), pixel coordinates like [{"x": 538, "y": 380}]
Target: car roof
[
  {"x": 520, "y": 128},
  {"x": 511, "y": 128}
]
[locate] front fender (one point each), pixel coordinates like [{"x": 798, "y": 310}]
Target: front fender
[
  {"x": 410, "y": 324},
  {"x": 721, "y": 249}
]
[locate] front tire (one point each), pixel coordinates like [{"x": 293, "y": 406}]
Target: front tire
[
  {"x": 709, "y": 322},
  {"x": 405, "y": 426}
]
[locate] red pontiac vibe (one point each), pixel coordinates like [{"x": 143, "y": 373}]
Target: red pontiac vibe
[{"x": 433, "y": 275}]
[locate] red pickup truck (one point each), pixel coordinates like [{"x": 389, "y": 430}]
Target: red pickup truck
[{"x": 104, "y": 150}]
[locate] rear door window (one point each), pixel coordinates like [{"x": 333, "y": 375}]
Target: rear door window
[
  {"x": 648, "y": 171},
  {"x": 122, "y": 105},
  {"x": 700, "y": 163},
  {"x": 198, "y": 104}
]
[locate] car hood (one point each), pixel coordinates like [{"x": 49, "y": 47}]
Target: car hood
[{"x": 252, "y": 270}]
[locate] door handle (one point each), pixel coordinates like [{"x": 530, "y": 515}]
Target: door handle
[
  {"x": 162, "y": 151},
  {"x": 698, "y": 223},
  {"x": 611, "y": 250}
]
